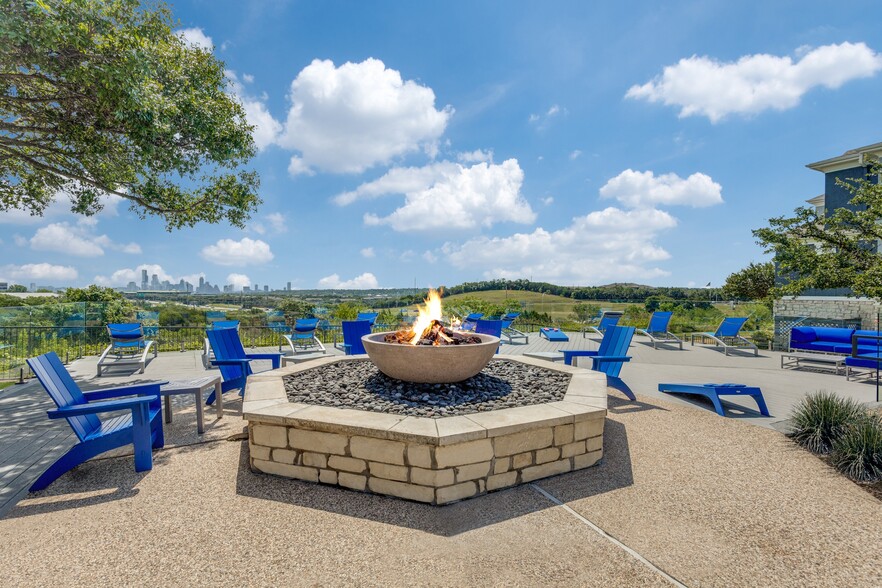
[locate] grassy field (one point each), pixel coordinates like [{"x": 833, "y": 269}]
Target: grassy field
[{"x": 558, "y": 307}]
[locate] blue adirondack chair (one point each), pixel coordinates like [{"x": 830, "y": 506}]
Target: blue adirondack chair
[
  {"x": 142, "y": 427},
  {"x": 232, "y": 361},
  {"x": 353, "y": 331},
  {"x": 489, "y": 327},
  {"x": 609, "y": 357},
  {"x": 215, "y": 325}
]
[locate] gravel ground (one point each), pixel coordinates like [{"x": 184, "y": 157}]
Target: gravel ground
[{"x": 360, "y": 385}]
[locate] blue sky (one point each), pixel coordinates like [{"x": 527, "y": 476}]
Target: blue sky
[{"x": 433, "y": 143}]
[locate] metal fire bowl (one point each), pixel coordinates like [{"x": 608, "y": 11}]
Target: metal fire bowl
[{"x": 429, "y": 364}]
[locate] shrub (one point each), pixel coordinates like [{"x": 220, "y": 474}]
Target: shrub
[
  {"x": 858, "y": 452},
  {"x": 822, "y": 418}
]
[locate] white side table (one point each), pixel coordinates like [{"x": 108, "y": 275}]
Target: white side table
[{"x": 196, "y": 387}]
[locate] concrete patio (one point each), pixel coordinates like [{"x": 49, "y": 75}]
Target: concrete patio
[{"x": 682, "y": 496}]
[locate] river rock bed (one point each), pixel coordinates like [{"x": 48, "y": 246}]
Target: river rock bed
[{"x": 360, "y": 385}]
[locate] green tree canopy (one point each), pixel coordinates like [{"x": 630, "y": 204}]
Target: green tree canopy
[
  {"x": 103, "y": 97},
  {"x": 582, "y": 313},
  {"x": 840, "y": 250},
  {"x": 755, "y": 282}
]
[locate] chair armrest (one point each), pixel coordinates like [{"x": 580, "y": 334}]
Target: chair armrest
[
  {"x": 230, "y": 361},
  {"x": 610, "y": 358},
  {"x": 96, "y": 407},
  {"x": 151, "y": 388},
  {"x": 578, "y": 353}
]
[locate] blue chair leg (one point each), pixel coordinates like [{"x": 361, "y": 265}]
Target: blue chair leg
[
  {"x": 158, "y": 434},
  {"x": 715, "y": 399},
  {"x": 74, "y": 457},
  {"x": 619, "y": 385},
  {"x": 760, "y": 401},
  {"x": 142, "y": 439}
]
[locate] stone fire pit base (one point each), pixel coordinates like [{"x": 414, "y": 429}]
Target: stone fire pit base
[{"x": 436, "y": 461}]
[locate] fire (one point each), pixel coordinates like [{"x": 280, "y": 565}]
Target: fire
[{"x": 428, "y": 314}]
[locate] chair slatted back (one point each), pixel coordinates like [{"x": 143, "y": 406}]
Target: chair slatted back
[
  {"x": 659, "y": 321},
  {"x": 305, "y": 325},
  {"x": 124, "y": 332},
  {"x": 488, "y": 327},
  {"x": 63, "y": 391},
  {"x": 615, "y": 342},
  {"x": 226, "y": 345},
  {"x": 371, "y": 317},
  {"x": 353, "y": 331},
  {"x": 730, "y": 327},
  {"x": 608, "y": 320}
]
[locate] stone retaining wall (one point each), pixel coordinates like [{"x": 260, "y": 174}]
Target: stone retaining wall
[{"x": 425, "y": 473}]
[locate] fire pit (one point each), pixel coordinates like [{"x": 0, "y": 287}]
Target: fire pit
[
  {"x": 430, "y": 364},
  {"x": 430, "y": 352}
]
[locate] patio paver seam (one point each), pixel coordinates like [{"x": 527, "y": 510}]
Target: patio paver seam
[{"x": 630, "y": 551}]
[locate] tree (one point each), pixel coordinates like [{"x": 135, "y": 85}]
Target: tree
[
  {"x": 583, "y": 313},
  {"x": 111, "y": 306},
  {"x": 102, "y": 97},
  {"x": 755, "y": 282},
  {"x": 835, "y": 251},
  {"x": 17, "y": 288}
]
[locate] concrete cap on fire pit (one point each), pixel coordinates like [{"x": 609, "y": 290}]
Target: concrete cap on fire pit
[{"x": 430, "y": 364}]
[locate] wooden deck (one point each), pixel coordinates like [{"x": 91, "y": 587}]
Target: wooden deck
[{"x": 30, "y": 442}]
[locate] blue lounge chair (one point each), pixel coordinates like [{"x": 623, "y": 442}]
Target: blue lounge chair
[
  {"x": 727, "y": 335},
  {"x": 489, "y": 327},
  {"x": 128, "y": 346},
  {"x": 207, "y": 353},
  {"x": 233, "y": 362},
  {"x": 609, "y": 357},
  {"x": 657, "y": 331},
  {"x": 468, "y": 323},
  {"x": 510, "y": 332},
  {"x": 303, "y": 336},
  {"x": 714, "y": 391},
  {"x": 609, "y": 318},
  {"x": 371, "y": 317},
  {"x": 142, "y": 427},
  {"x": 553, "y": 334},
  {"x": 353, "y": 331}
]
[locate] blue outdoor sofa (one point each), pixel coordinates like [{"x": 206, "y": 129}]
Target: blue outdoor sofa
[{"x": 832, "y": 340}]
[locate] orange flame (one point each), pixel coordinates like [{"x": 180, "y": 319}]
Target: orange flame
[{"x": 428, "y": 313}]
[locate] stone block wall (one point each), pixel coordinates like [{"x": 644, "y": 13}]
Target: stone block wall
[{"x": 435, "y": 474}]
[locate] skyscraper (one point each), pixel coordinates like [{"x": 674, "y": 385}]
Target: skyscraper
[{"x": 143, "y": 279}]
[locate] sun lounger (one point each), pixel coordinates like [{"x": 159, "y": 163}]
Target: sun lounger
[
  {"x": 727, "y": 336},
  {"x": 553, "y": 334},
  {"x": 128, "y": 346},
  {"x": 510, "y": 332},
  {"x": 657, "y": 331},
  {"x": 303, "y": 337},
  {"x": 714, "y": 391},
  {"x": 468, "y": 323},
  {"x": 609, "y": 318}
]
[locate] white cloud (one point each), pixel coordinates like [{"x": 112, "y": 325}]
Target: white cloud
[
  {"x": 702, "y": 86},
  {"x": 20, "y": 241},
  {"x": 639, "y": 189},
  {"x": 541, "y": 121},
  {"x": 77, "y": 240},
  {"x": 449, "y": 195},
  {"x": 602, "y": 246},
  {"x": 347, "y": 119},
  {"x": 196, "y": 36},
  {"x": 366, "y": 281},
  {"x": 368, "y": 253},
  {"x": 266, "y": 128},
  {"x": 297, "y": 167},
  {"x": 38, "y": 271},
  {"x": 274, "y": 222},
  {"x": 574, "y": 154},
  {"x": 475, "y": 156},
  {"x": 548, "y": 200},
  {"x": 238, "y": 281},
  {"x": 248, "y": 78},
  {"x": 430, "y": 257},
  {"x": 244, "y": 252}
]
